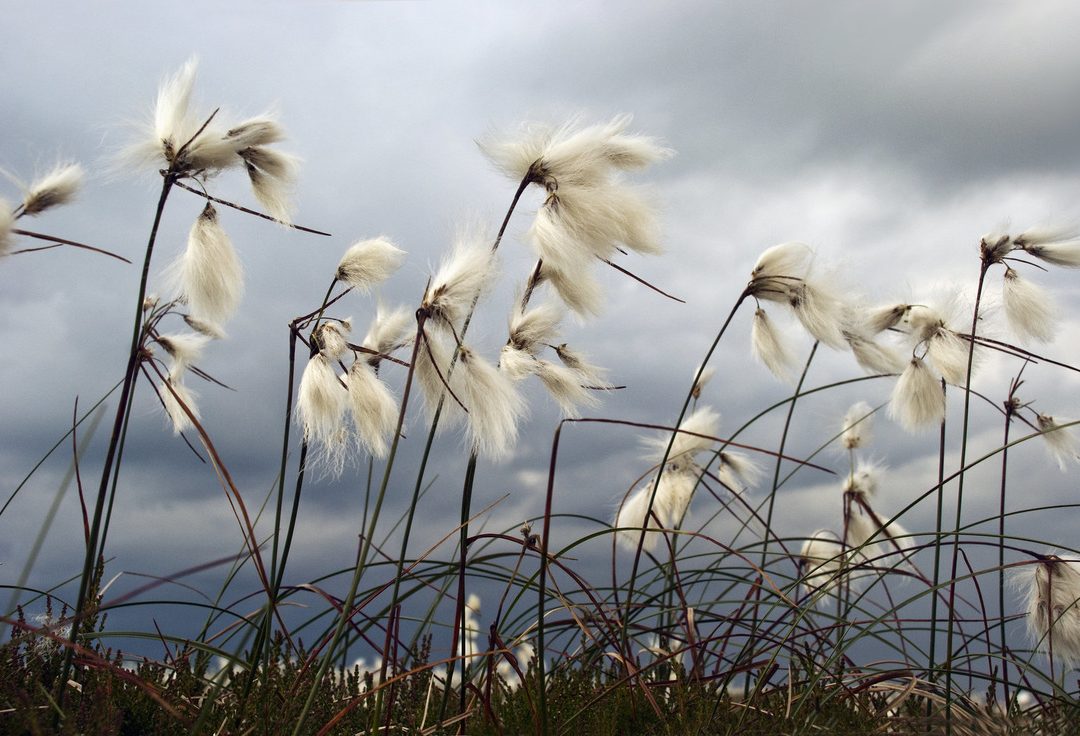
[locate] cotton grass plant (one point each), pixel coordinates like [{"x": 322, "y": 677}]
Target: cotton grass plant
[{"x": 717, "y": 616}]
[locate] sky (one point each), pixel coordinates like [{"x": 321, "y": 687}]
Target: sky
[{"x": 888, "y": 136}]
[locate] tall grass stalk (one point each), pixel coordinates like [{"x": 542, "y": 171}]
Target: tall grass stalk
[{"x": 966, "y": 417}]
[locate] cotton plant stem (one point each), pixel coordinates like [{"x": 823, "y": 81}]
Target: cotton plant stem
[
  {"x": 625, "y": 633},
  {"x": 1001, "y": 563},
  {"x": 463, "y": 544},
  {"x": 365, "y": 543},
  {"x": 939, "y": 517},
  {"x": 772, "y": 497},
  {"x": 394, "y": 597},
  {"x": 126, "y": 393},
  {"x": 960, "y": 498}
]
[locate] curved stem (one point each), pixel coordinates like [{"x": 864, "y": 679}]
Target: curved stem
[{"x": 126, "y": 391}]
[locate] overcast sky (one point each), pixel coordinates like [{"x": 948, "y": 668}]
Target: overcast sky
[{"x": 889, "y": 136}]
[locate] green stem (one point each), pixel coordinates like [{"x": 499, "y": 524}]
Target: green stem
[
  {"x": 126, "y": 391},
  {"x": 960, "y": 498}
]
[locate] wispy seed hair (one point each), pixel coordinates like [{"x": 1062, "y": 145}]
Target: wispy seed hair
[
  {"x": 368, "y": 263},
  {"x": 389, "y": 330},
  {"x": 769, "y": 348},
  {"x": 917, "y": 399},
  {"x": 185, "y": 348},
  {"x": 1051, "y": 591},
  {"x": 55, "y": 188},
  {"x": 857, "y": 426},
  {"x": 1061, "y": 441},
  {"x": 373, "y": 408},
  {"x": 533, "y": 327},
  {"x": 7, "y": 221},
  {"x": 495, "y": 407},
  {"x": 320, "y": 410},
  {"x": 1028, "y": 308},
  {"x": 465, "y": 274},
  {"x": 633, "y": 514},
  {"x": 565, "y": 387},
  {"x": 174, "y": 402},
  {"x": 208, "y": 274}
]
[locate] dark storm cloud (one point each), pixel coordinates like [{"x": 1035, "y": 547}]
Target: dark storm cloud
[{"x": 890, "y": 137}]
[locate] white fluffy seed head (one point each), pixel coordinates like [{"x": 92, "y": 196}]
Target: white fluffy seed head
[
  {"x": 272, "y": 175},
  {"x": 320, "y": 410},
  {"x": 596, "y": 218},
  {"x": 211, "y": 330},
  {"x": 330, "y": 338},
  {"x": 257, "y": 131},
  {"x": 862, "y": 526},
  {"x": 1051, "y": 591},
  {"x": 432, "y": 364},
  {"x": 571, "y": 152},
  {"x": 943, "y": 346},
  {"x": 373, "y": 408},
  {"x": 494, "y": 405},
  {"x": 1061, "y": 441},
  {"x": 368, "y": 263},
  {"x": 208, "y": 275},
  {"x": 786, "y": 260},
  {"x": 592, "y": 376},
  {"x": 864, "y": 480},
  {"x": 737, "y": 471},
  {"x": 633, "y": 516},
  {"x": 820, "y": 560},
  {"x": 1030, "y": 311},
  {"x": 464, "y": 275},
  {"x": 675, "y": 492},
  {"x": 565, "y": 387},
  {"x": 820, "y": 311},
  {"x": 769, "y": 347},
  {"x": 174, "y": 397},
  {"x": 578, "y": 288},
  {"x": 173, "y": 125},
  {"x": 873, "y": 357},
  {"x": 532, "y": 328},
  {"x": 857, "y": 427},
  {"x": 917, "y": 399},
  {"x": 7, "y": 221},
  {"x": 695, "y": 435},
  {"x": 516, "y": 363},
  {"x": 702, "y": 376},
  {"x": 884, "y": 318},
  {"x": 1059, "y": 246},
  {"x": 389, "y": 331},
  {"x": 995, "y": 246},
  {"x": 185, "y": 349},
  {"x": 55, "y": 188},
  {"x": 949, "y": 354}
]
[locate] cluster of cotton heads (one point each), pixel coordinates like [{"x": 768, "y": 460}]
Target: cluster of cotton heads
[
  {"x": 56, "y": 187},
  {"x": 868, "y": 542},
  {"x": 663, "y": 501},
  {"x": 353, "y": 412},
  {"x": 921, "y": 342},
  {"x": 200, "y": 144},
  {"x": 786, "y": 274},
  {"x": 207, "y": 277},
  {"x": 589, "y": 212}
]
